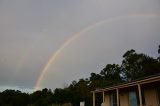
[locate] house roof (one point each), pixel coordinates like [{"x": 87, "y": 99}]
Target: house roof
[{"x": 145, "y": 80}]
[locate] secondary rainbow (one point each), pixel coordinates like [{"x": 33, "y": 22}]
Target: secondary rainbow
[{"x": 75, "y": 36}]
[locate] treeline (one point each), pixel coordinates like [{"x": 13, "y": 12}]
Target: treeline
[{"x": 134, "y": 66}]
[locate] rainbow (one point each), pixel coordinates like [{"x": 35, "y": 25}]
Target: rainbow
[{"x": 75, "y": 36}]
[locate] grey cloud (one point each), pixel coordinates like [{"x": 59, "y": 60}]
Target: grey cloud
[{"x": 31, "y": 31}]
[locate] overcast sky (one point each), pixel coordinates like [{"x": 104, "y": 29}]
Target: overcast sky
[{"x": 31, "y": 31}]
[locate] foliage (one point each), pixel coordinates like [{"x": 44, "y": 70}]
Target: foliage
[
  {"x": 13, "y": 98},
  {"x": 159, "y": 54},
  {"x": 138, "y": 65}
]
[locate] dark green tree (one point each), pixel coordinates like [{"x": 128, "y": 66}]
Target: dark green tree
[
  {"x": 41, "y": 98},
  {"x": 138, "y": 65},
  {"x": 14, "y": 98},
  {"x": 158, "y": 53},
  {"x": 61, "y": 96},
  {"x": 96, "y": 81},
  {"x": 111, "y": 74}
]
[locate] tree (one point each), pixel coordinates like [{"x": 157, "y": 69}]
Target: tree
[
  {"x": 42, "y": 98},
  {"x": 14, "y": 98},
  {"x": 96, "y": 81},
  {"x": 159, "y": 54},
  {"x": 112, "y": 74},
  {"x": 136, "y": 65},
  {"x": 159, "y": 49}
]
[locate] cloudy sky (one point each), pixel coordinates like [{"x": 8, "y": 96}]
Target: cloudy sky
[{"x": 85, "y": 34}]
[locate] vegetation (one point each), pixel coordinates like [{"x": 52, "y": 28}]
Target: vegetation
[{"x": 134, "y": 65}]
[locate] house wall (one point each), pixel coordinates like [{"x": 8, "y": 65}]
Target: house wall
[
  {"x": 151, "y": 98},
  {"x": 124, "y": 99},
  {"x": 107, "y": 100}
]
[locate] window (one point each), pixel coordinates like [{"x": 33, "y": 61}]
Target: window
[
  {"x": 133, "y": 98},
  {"x": 113, "y": 99}
]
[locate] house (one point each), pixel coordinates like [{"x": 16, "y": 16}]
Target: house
[{"x": 142, "y": 92}]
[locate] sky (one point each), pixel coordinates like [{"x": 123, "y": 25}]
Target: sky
[{"x": 50, "y": 43}]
